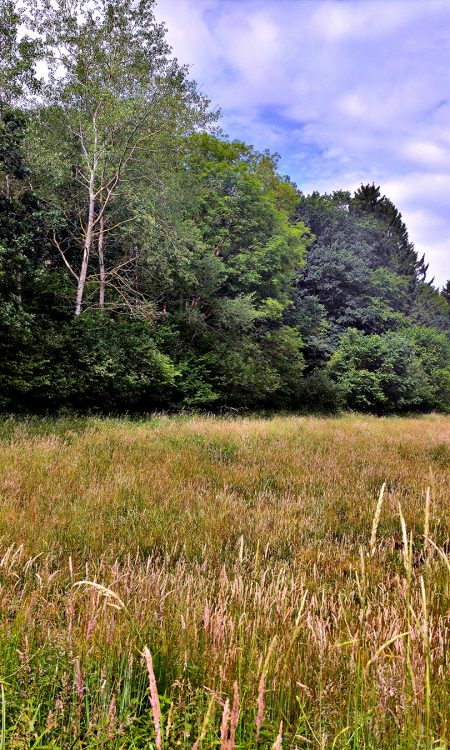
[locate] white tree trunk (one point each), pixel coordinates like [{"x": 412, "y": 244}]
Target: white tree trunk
[
  {"x": 86, "y": 247},
  {"x": 101, "y": 260}
]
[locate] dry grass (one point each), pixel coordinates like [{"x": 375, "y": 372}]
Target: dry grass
[{"x": 251, "y": 558}]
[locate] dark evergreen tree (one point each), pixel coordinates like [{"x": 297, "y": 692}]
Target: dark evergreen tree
[
  {"x": 445, "y": 291},
  {"x": 394, "y": 248}
]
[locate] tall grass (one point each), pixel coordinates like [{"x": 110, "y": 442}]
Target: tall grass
[{"x": 245, "y": 583}]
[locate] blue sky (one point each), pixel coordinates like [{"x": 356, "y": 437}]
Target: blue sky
[{"x": 347, "y": 91}]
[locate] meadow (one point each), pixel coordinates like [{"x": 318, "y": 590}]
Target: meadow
[{"x": 204, "y": 582}]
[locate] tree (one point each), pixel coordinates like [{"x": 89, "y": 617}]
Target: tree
[
  {"x": 445, "y": 292},
  {"x": 17, "y": 79},
  {"x": 246, "y": 262},
  {"x": 430, "y": 308},
  {"x": 118, "y": 103},
  {"x": 394, "y": 249},
  {"x": 18, "y": 56}
]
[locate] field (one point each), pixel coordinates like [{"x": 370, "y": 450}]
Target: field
[{"x": 286, "y": 600}]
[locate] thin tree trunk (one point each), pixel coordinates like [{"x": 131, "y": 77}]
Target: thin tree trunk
[
  {"x": 87, "y": 247},
  {"x": 101, "y": 259}
]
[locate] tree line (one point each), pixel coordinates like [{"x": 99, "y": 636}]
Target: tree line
[{"x": 148, "y": 262}]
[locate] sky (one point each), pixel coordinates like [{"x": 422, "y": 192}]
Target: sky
[{"x": 346, "y": 91}]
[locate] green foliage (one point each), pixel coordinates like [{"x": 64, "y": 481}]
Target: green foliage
[
  {"x": 18, "y": 55},
  {"x": 431, "y": 308},
  {"x": 318, "y": 392},
  {"x": 390, "y": 372},
  {"x": 202, "y": 277},
  {"x": 12, "y": 133},
  {"x": 94, "y": 363},
  {"x": 445, "y": 291},
  {"x": 432, "y": 348}
]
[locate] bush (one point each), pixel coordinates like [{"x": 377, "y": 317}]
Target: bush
[{"x": 389, "y": 372}]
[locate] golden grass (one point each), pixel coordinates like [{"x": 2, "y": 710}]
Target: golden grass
[{"x": 248, "y": 555}]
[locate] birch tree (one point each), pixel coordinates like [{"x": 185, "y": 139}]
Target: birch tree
[{"x": 118, "y": 97}]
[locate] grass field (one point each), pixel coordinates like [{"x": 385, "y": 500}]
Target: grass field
[{"x": 284, "y": 602}]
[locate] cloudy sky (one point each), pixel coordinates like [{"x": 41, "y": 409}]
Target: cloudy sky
[{"x": 345, "y": 90}]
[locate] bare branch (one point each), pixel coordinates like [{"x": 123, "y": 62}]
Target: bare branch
[{"x": 63, "y": 256}]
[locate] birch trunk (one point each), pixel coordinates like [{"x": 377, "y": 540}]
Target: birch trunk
[
  {"x": 86, "y": 247},
  {"x": 101, "y": 259}
]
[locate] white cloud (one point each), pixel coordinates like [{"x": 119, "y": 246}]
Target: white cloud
[
  {"x": 353, "y": 104},
  {"x": 336, "y": 20},
  {"x": 421, "y": 190},
  {"x": 427, "y": 153}
]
